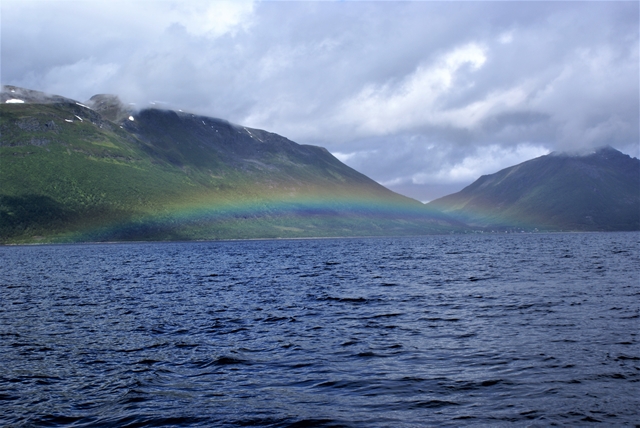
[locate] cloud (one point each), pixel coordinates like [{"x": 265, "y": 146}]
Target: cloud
[
  {"x": 87, "y": 73},
  {"x": 489, "y": 160},
  {"x": 419, "y": 94},
  {"x": 417, "y": 99},
  {"x": 211, "y": 18}
]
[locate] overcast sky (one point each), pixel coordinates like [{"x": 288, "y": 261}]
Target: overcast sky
[{"x": 423, "y": 97}]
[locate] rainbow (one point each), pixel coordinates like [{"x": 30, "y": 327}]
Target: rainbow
[{"x": 267, "y": 217}]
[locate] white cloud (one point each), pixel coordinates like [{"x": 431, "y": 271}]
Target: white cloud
[
  {"x": 486, "y": 161},
  {"x": 383, "y": 109},
  {"x": 211, "y": 18},
  {"x": 494, "y": 103},
  {"x": 342, "y": 157},
  {"x": 447, "y": 168},
  {"x": 86, "y": 75}
]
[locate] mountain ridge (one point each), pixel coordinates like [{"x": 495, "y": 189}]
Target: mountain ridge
[
  {"x": 558, "y": 191},
  {"x": 101, "y": 170},
  {"x": 71, "y": 174}
]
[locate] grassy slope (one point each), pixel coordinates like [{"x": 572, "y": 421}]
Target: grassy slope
[
  {"x": 171, "y": 176},
  {"x": 79, "y": 173}
]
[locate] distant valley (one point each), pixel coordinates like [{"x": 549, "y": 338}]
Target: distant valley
[{"x": 97, "y": 170}]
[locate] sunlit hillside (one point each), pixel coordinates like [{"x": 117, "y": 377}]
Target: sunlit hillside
[{"x": 94, "y": 171}]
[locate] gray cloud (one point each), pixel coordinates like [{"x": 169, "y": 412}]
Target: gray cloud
[{"x": 421, "y": 96}]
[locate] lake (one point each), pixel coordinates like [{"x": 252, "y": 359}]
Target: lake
[{"x": 505, "y": 329}]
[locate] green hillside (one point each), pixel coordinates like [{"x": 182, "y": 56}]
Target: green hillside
[
  {"x": 95, "y": 171},
  {"x": 596, "y": 192}
]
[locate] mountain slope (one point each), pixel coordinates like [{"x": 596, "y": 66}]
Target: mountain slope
[
  {"x": 97, "y": 171},
  {"x": 600, "y": 191}
]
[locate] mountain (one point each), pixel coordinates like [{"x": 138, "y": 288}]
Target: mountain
[
  {"x": 595, "y": 192},
  {"x": 99, "y": 170}
]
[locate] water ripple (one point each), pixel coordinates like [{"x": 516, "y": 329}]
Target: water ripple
[{"x": 442, "y": 330}]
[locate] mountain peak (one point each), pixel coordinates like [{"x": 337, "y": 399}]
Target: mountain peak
[
  {"x": 602, "y": 151},
  {"x": 608, "y": 152},
  {"x": 559, "y": 191},
  {"x": 110, "y": 107}
]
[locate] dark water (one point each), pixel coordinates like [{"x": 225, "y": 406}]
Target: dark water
[{"x": 445, "y": 330}]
